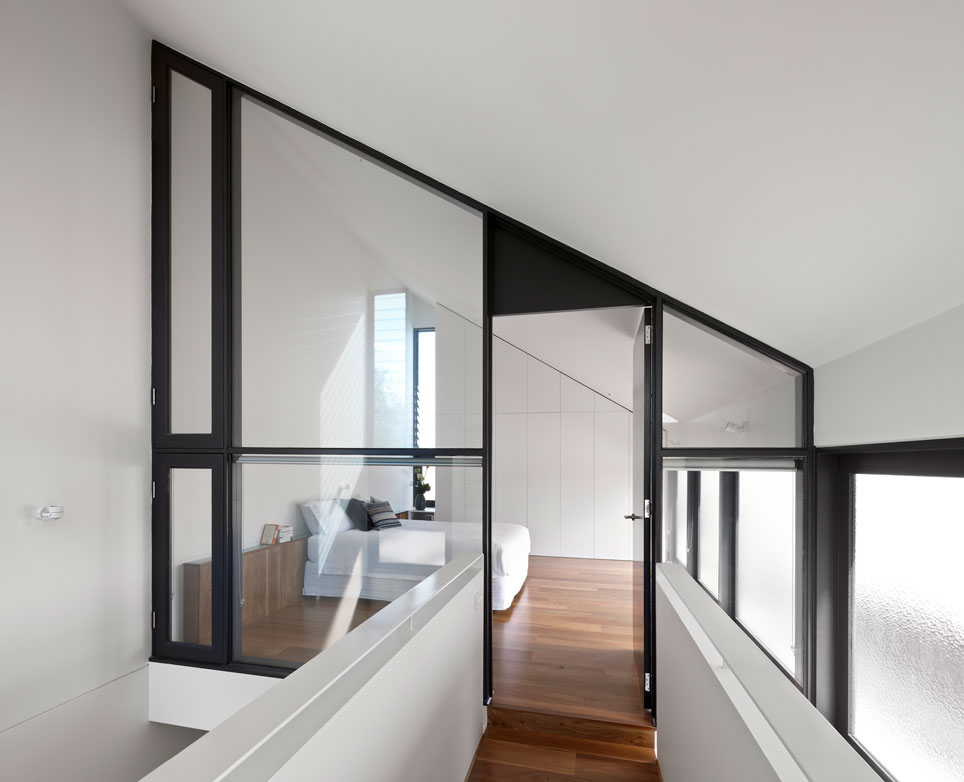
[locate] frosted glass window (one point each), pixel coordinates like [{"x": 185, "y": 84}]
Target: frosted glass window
[
  {"x": 682, "y": 499},
  {"x": 190, "y": 256},
  {"x": 907, "y": 667},
  {"x": 718, "y": 393},
  {"x": 709, "y": 531},
  {"x": 675, "y": 502},
  {"x": 766, "y": 560}
]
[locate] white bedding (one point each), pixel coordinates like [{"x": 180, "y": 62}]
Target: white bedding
[{"x": 417, "y": 548}]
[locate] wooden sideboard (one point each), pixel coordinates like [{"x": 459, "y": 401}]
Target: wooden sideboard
[{"x": 272, "y": 578}]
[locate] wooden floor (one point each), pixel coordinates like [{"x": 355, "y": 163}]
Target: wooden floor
[
  {"x": 567, "y": 702},
  {"x": 529, "y": 747},
  {"x": 566, "y": 645},
  {"x": 299, "y": 631}
]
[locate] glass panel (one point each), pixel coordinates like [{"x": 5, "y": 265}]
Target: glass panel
[
  {"x": 341, "y": 261},
  {"x": 190, "y": 256},
  {"x": 327, "y": 571},
  {"x": 709, "y": 531},
  {"x": 766, "y": 559},
  {"x": 675, "y": 501},
  {"x": 907, "y": 686},
  {"x": 190, "y": 508},
  {"x": 720, "y": 394}
]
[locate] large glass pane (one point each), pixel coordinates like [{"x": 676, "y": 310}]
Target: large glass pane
[
  {"x": 190, "y": 494},
  {"x": 907, "y": 666},
  {"x": 709, "y": 531},
  {"x": 314, "y": 567},
  {"x": 718, "y": 393},
  {"x": 341, "y": 262},
  {"x": 766, "y": 560},
  {"x": 190, "y": 316}
]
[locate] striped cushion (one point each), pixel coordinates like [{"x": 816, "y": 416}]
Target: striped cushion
[{"x": 381, "y": 515}]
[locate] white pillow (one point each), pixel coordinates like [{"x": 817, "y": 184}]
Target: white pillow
[{"x": 324, "y": 517}]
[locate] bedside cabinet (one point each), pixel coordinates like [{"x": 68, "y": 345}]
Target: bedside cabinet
[{"x": 417, "y": 515}]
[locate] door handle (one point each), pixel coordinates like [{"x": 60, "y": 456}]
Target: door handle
[{"x": 632, "y": 517}]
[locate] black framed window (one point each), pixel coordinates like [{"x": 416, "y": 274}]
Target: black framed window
[
  {"x": 742, "y": 521},
  {"x": 893, "y": 527}
]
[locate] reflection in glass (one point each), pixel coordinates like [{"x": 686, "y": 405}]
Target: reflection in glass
[
  {"x": 907, "y": 647},
  {"x": 190, "y": 508},
  {"x": 335, "y": 570},
  {"x": 719, "y": 393},
  {"x": 190, "y": 304},
  {"x": 766, "y": 560},
  {"x": 341, "y": 261}
]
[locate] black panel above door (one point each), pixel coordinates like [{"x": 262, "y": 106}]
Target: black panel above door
[{"x": 533, "y": 274}]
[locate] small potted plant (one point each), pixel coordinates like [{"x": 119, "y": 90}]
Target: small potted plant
[{"x": 420, "y": 487}]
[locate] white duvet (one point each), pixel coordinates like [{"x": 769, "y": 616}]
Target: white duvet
[{"x": 417, "y": 548}]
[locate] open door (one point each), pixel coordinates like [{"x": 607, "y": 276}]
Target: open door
[{"x": 641, "y": 513}]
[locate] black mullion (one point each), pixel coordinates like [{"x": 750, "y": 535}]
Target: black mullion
[
  {"x": 827, "y": 589},
  {"x": 488, "y": 274},
  {"x": 729, "y": 499},
  {"x": 655, "y": 521},
  {"x": 692, "y": 522},
  {"x": 736, "y": 453},
  {"x": 415, "y": 453}
]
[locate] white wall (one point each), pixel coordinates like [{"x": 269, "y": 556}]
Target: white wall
[
  {"x": 561, "y": 460},
  {"x": 74, "y": 352},
  {"x": 905, "y": 387},
  {"x": 101, "y": 736}
]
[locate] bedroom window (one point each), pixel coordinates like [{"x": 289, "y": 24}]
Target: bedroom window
[{"x": 287, "y": 403}]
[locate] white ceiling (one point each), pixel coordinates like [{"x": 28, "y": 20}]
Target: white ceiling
[{"x": 794, "y": 169}]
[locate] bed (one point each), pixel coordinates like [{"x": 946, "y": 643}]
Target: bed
[{"x": 382, "y": 564}]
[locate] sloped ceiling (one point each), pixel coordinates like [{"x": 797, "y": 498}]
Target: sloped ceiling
[{"x": 794, "y": 169}]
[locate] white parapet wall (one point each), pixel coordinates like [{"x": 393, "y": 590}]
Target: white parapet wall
[
  {"x": 725, "y": 711},
  {"x": 398, "y": 698}
]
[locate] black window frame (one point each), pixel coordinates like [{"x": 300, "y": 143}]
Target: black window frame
[
  {"x": 727, "y": 564},
  {"x": 837, "y": 471}
]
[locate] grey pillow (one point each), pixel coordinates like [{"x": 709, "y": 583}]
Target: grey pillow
[{"x": 358, "y": 513}]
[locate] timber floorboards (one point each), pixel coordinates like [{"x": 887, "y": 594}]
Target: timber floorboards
[
  {"x": 565, "y": 646},
  {"x": 299, "y": 631},
  {"x": 533, "y": 747}
]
